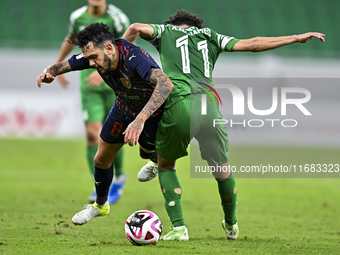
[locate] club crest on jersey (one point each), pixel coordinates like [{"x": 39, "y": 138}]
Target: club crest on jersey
[{"x": 126, "y": 82}]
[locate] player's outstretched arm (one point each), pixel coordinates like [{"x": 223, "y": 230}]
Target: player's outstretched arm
[
  {"x": 52, "y": 71},
  {"x": 161, "y": 92},
  {"x": 138, "y": 29},
  {"x": 258, "y": 44}
]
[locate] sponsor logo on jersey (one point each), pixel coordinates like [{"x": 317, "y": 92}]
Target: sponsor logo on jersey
[
  {"x": 80, "y": 56},
  {"x": 126, "y": 82}
]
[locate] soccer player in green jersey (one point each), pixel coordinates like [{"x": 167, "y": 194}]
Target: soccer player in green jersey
[
  {"x": 188, "y": 53},
  {"x": 96, "y": 97}
]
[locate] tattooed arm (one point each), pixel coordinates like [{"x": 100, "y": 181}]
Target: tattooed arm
[
  {"x": 52, "y": 71},
  {"x": 161, "y": 92}
]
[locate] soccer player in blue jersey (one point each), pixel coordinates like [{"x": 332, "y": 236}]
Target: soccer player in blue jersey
[
  {"x": 141, "y": 88},
  {"x": 96, "y": 96}
]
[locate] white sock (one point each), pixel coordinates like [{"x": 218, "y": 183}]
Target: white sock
[
  {"x": 178, "y": 228},
  {"x": 102, "y": 205}
]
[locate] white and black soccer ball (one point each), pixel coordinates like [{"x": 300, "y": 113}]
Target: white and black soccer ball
[{"x": 143, "y": 227}]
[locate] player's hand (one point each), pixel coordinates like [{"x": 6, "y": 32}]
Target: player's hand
[
  {"x": 303, "y": 38},
  {"x": 44, "y": 77},
  {"x": 133, "y": 132},
  {"x": 62, "y": 80},
  {"x": 94, "y": 79}
]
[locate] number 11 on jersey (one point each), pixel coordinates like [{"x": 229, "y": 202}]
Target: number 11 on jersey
[{"x": 202, "y": 46}]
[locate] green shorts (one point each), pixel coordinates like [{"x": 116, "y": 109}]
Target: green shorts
[
  {"x": 183, "y": 121},
  {"x": 96, "y": 104}
]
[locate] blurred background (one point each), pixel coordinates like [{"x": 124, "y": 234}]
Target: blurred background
[
  {"x": 31, "y": 33},
  {"x": 44, "y": 174}
]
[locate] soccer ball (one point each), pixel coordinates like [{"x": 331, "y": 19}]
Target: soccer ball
[{"x": 143, "y": 227}]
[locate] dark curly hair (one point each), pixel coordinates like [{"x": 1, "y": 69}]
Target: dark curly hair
[
  {"x": 97, "y": 33},
  {"x": 183, "y": 17}
]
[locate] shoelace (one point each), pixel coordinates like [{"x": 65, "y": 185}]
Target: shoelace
[
  {"x": 87, "y": 206},
  {"x": 90, "y": 208}
]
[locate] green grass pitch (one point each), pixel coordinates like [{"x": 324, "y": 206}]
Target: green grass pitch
[{"x": 44, "y": 183}]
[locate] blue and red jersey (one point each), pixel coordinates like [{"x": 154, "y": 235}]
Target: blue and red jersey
[{"x": 130, "y": 80}]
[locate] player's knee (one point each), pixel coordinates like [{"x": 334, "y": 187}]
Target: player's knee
[
  {"x": 97, "y": 161},
  {"x": 101, "y": 163},
  {"x": 164, "y": 164},
  {"x": 92, "y": 138}
]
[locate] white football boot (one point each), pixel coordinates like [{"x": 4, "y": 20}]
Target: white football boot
[
  {"x": 148, "y": 172},
  {"x": 231, "y": 231},
  {"x": 90, "y": 212}
]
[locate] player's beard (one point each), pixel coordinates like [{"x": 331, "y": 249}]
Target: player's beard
[{"x": 107, "y": 62}]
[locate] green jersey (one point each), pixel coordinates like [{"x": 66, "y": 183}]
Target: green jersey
[
  {"x": 113, "y": 17},
  {"x": 187, "y": 55}
]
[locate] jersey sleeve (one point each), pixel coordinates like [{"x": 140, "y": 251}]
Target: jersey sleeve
[
  {"x": 120, "y": 21},
  {"x": 73, "y": 27},
  {"x": 140, "y": 62},
  {"x": 225, "y": 43},
  {"x": 78, "y": 62},
  {"x": 157, "y": 34}
]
